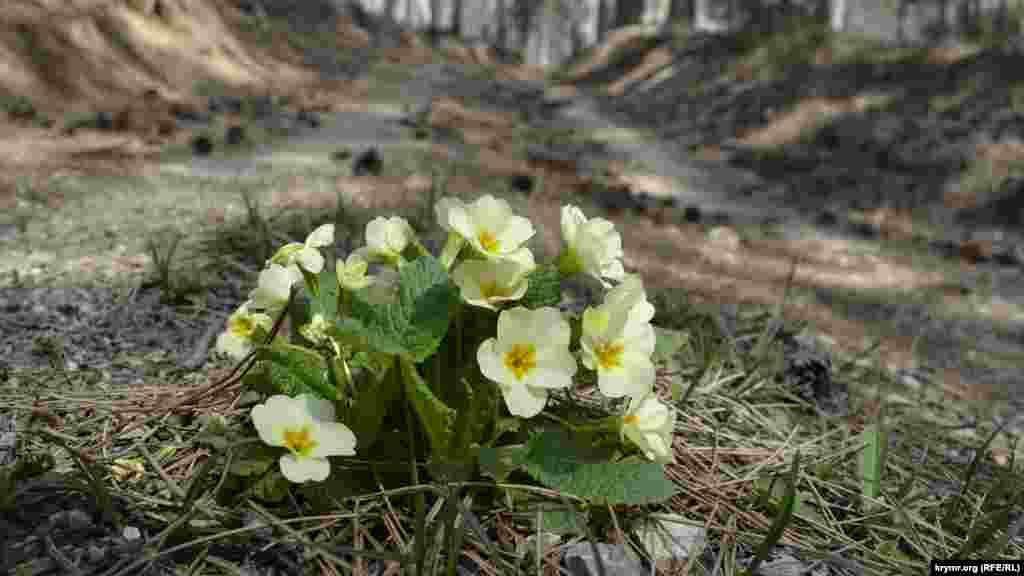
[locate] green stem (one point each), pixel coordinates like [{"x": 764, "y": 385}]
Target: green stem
[
  {"x": 452, "y": 505},
  {"x": 421, "y": 504}
]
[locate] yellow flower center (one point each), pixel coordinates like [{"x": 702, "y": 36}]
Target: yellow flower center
[
  {"x": 300, "y": 441},
  {"x": 491, "y": 290},
  {"x": 609, "y": 356},
  {"x": 242, "y": 326},
  {"x": 488, "y": 241},
  {"x": 630, "y": 419},
  {"x": 521, "y": 359}
]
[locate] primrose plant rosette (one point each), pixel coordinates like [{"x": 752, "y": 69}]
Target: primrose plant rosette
[{"x": 305, "y": 426}]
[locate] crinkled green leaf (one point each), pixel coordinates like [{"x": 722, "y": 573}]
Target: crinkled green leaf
[
  {"x": 437, "y": 418},
  {"x": 413, "y": 325},
  {"x": 667, "y": 343},
  {"x": 563, "y": 521},
  {"x": 253, "y": 459},
  {"x": 374, "y": 396},
  {"x": 326, "y": 302},
  {"x": 499, "y": 462},
  {"x": 271, "y": 488},
  {"x": 555, "y": 460},
  {"x": 544, "y": 287},
  {"x": 296, "y": 370}
]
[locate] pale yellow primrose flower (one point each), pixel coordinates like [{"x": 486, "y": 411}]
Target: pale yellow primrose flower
[
  {"x": 307, "y": 255},
  {"x": 386, "y": 239},
  {"x": 648, "y": 423},
  {"x": 618, "y": 340},
  {"x": 352, "y": 273},
  {"x": 592, "y": 246},
  {"x": 243, "y": 328},
  {"x": 529, "y": 356},
  {"x": 273, "y": 289},
  {"x": 489, "y": 226},
  {"x": 316, "y": 330},
  {"x": 305, "y": 426},
  {"x": 488, "y": 283}
]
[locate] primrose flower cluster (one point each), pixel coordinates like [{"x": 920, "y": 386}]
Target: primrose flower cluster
[{"x": 487, "y": 257}]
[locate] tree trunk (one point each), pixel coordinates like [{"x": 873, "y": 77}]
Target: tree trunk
[
  {"x": 603, "y": 19},
  {"x": 457, "y": 19},
  {"x": 501, "y": 38},
  {"x": 628, "y": 13},
  {"x": 435, "y": 21}
]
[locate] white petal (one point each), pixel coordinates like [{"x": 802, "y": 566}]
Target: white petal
[
  {"x": 318, "y": 408},
  {"x": 572, "y": 219},
  {"x": 490, "y": 361},
  {"x": 550, "y": 376},
  {"x": 322, "y": 236},
  {"x": 614, "y": 383},
  {"x": 515, "y": 325},
  {"x": 444, "y": 209},
  {"x": 234, "y": 346},
  {"x": 310, "y": 259},
  {"x": 524, "y": 401},
  {"x": 517, "y": 231},
  {"x": 301, "y": 470},
  {"x": 334, "y": 439}
]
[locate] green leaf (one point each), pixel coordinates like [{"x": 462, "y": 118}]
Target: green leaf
[
  {"x": 271, "y": 488},
  {"x": 326, "y": 302},
  {"x": 544, "y": 287},
  {"x": 254, "y": 459},
  {"x": 414, "y": 325},
  {"x": 563, "y": 521},
  {"x": 667, "y": 343},
  {"x": 437, "y": 418},
  {"x": 781, "y": 519},
  {"x": 374, "y": 396},
  {"x": 498, "y": 463},
  {"x": 555, "y": 460},
  {"x": 872, "y": 461},
  {"x": 296, "y": 370}
]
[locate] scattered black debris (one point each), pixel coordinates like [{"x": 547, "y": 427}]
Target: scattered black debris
[
  {"x": 104, "y": 121},
  {"x": 202, "y": 145},
  {"x": 692, "y": 214},
  {"x": 341, "y": 155},
  {"x": 234, "y": 135},
  {"x": 308, "y": 117},
  {"x": 368, "y": 162},
  {"x": 522, "y": 183}
]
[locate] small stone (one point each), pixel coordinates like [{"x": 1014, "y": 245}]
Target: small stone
[
  {"x": 308, "y": 117},
  {"x": 202, "y": 145},
  {"x": 783, "y": 565},
  {"x": 826, "y": 218},
  {"x": 131, "y": 533},
  {"x": 368, "y": 162},
  {"x": 670, "y": 540},
  {"x": 692, "y": 214},
  {"x": 580, "y": 560},
  {"x": 104, "y": 121},
  {"x": 95, "y": 554},
  {"x": 522, "y": 183},
  {"x": 234, "y": 135}
]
